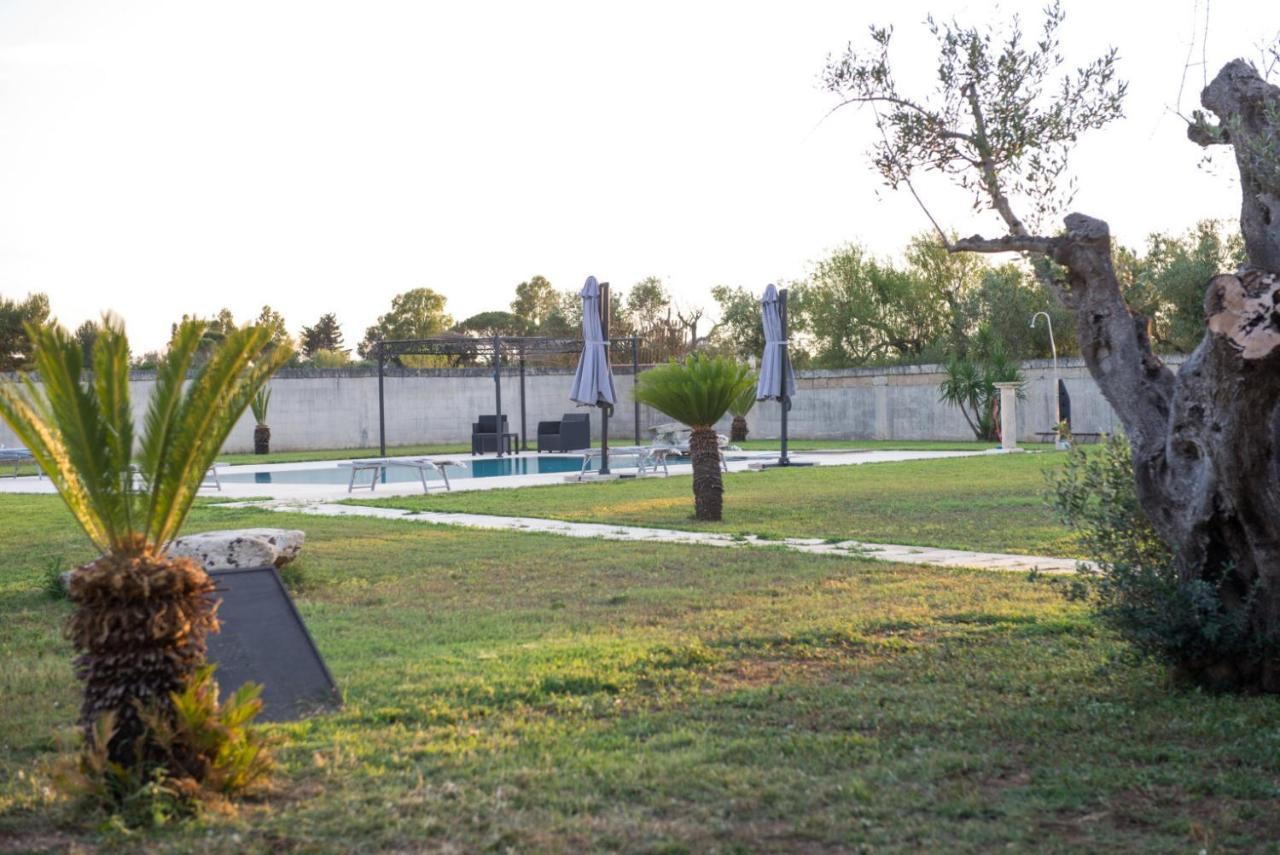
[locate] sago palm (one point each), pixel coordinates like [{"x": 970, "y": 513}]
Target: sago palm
[
  {"x": 141, "y": 616},
  {"x": 739, "y": 408},
  {"x": 697, "y": 393}
]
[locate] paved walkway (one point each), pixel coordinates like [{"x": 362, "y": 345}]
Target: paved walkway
[{"x": 881, "y": 551}]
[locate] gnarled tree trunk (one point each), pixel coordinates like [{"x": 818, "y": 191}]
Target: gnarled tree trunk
[{"x": 1205, "y": 439}]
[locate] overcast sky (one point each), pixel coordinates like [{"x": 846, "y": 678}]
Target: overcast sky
[{"x": 158, "y": 158}]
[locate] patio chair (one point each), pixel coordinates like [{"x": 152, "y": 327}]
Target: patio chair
[
  {"x": 487, "y": 434},
  {"x": 571, "y": 433}
]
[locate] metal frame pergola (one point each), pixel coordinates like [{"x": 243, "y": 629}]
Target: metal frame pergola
[{"x": 522, "y": 348}]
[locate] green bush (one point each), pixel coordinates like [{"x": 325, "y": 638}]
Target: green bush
[{"x": 1134, "y": 585}]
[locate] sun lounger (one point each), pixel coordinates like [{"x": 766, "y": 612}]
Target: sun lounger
[
  {"x": 648, "y": 457},
  {"x": 377, "y": 465},
  {"x": 17, "y": 457}
]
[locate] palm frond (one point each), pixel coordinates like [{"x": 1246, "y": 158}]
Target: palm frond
[
  {"x": 747, "y": 400},
  {"x": 696, "y": 392},
  {"x": 215, "y": 399},
  {"x": 63, "y": 428}
]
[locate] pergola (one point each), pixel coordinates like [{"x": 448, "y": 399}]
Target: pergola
[{"x": 494, "y": 349}]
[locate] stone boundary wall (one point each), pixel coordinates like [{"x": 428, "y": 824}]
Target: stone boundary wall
[{"x": 339, "y": 408}]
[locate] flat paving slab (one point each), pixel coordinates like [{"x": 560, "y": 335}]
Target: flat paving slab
[{"x": 904, "y": 554}]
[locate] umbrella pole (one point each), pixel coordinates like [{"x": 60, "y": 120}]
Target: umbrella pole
[
  {"x": 784, "y": 399},
  {"x": 604, "y": 410}
]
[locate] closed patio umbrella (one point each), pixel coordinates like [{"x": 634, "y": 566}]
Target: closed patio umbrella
[
  {"x": 777, "y": 379},
  {"x": 593, "y": 381}
]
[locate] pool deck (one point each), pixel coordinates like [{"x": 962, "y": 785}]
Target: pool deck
[{"x": 748, "y": 461}]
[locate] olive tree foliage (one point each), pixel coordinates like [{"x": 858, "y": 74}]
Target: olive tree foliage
[
  {"x": 1206, "y": 439},
  {"x": 1001, "y": 122}
]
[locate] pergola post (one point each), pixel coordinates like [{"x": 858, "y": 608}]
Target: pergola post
[
  {"x": 497, "y": 387},
  {"x": 635, "y": 378},
  {"x": 382, "y": 416},
  {"x": 524, "y": 428}
]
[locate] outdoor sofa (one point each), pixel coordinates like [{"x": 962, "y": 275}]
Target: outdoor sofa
[{"x": 571, "y": 433}]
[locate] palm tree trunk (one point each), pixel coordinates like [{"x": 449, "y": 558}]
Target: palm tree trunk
[
  {"x": 738, "y": 430},
  {"x": 708, "y": 488},
  {"x": 262, "y": 440},
  {"x": 139, "y": 627}
]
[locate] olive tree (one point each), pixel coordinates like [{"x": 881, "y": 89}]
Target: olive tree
[{"x": 1001, "y": 123}]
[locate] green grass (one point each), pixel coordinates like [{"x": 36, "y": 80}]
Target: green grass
[
  {"x": 990, "y": 503},
  {"x": 519, "y": 692}
]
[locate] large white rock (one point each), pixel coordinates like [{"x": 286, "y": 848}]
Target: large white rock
[{"x": 246, "y": 547}]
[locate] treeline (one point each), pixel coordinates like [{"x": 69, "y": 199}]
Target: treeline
[{"x": 853, "y": 309}]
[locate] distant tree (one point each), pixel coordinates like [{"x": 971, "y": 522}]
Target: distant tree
[
  {"x": 324, "y": 358},
  {"x": 274, "y": 321},
  {"x": 214, "y": 332},
  {"x": 860, "y": 310},
  {"x": 1004, "y": 303},
  {"x": 1166, "y": 283},
  {"x": 536, "y": 302},
  {"x": 87, "y": 334},
  {"x": 15, "y": 346},
  {"x": 489, "y": 324},
  {"x": 414, "y": 314},
  {"x": 325, "y": 335},
  {"x": 739, "y": 331}
]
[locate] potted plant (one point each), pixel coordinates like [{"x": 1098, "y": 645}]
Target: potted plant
[
  {"x": 739, "y": 408},
  {"x": 1063, "y": 438},
  {"x": 141, "y": 615},
  {"x": 697, "y": 393},
  {"x": 261, "y": 431}
]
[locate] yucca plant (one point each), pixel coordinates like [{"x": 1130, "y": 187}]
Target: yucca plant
[
  {"x": 261, "y": 430},
  {"x": 141, "y": 615},
  {"x": 739, "y": 408},
  {"x": 697, "y": 393}
]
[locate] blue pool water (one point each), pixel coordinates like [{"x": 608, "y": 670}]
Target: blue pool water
[{"x": 481, "y": 467}]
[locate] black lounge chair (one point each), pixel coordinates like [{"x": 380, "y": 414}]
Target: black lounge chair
[
  {"x": 487, "y": 435},
  {"x": 571, "y": 433}
]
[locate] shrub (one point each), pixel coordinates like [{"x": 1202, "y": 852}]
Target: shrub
[
  {"x": 1134, "y": 585},
  {"x": 198, "y": 751}
]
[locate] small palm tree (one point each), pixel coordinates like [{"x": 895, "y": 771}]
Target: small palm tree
[
  {"x": 739, "y": 408},
  {"x": 261, "y": 430},
  {"x": 697, "y": 393},
  {"x": 141, "y": 616}
]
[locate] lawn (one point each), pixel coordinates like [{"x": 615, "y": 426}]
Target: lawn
[
  {"x": 990, "y": 503},
  {"x": 520, "y": 692}
]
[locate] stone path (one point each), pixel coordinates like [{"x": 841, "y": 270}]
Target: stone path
[{"x": 880, "y": 551}]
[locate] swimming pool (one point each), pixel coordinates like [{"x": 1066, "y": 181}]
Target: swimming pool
[{"x": 480, "y": 467}]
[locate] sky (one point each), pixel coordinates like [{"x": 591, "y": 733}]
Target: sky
[{"x": 162, "y": 158}]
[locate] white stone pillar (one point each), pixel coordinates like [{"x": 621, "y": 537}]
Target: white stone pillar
[{"x": 1008, "y": 415}]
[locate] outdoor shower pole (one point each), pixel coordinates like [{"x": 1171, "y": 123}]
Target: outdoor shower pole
[
  {"x": 497, "y": 390},
  {"x": 604, "y": 411},
  {"x": 1053, "y": 348},
  {"x": 635, "y": 378},
  {"x": 382, "y": 418},
  {"x": 785, "y": 364}
]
